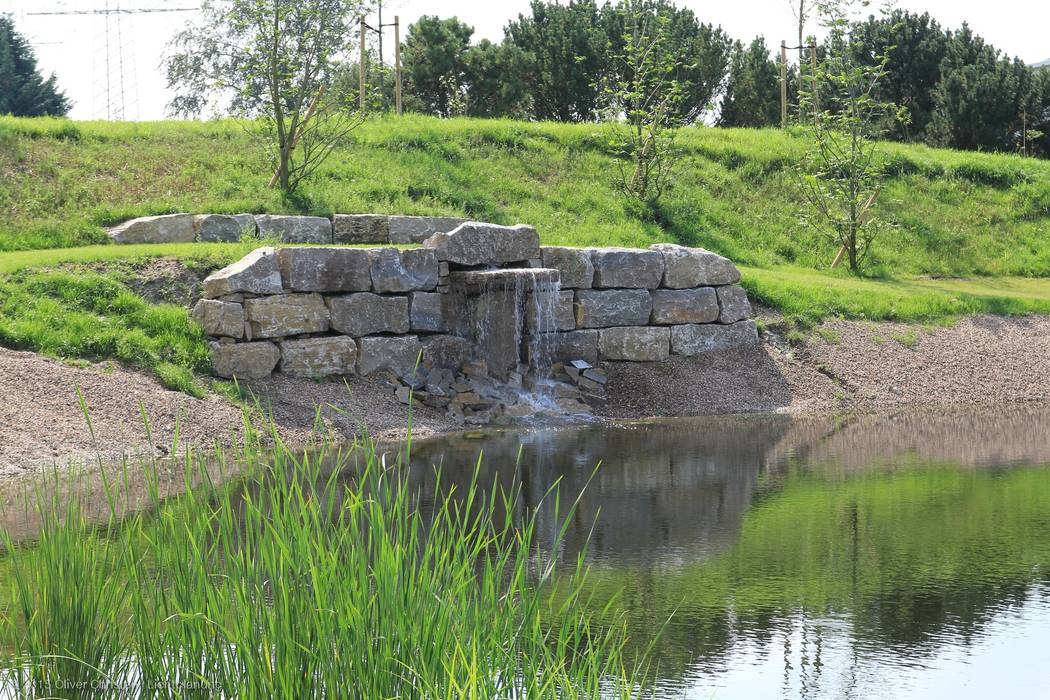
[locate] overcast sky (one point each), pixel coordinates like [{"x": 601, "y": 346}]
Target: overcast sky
[{"x": 74, "y": 46}]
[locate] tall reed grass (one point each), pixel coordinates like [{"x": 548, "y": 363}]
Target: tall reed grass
[{"x": 299, "y": 581}]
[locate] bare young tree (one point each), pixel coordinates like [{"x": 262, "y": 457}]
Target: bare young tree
[
  {"x": 802, "y": 9},
  {"x": 274, "y": 61}
]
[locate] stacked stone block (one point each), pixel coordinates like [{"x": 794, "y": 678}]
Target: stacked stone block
[{"x": 317, "y": 311}]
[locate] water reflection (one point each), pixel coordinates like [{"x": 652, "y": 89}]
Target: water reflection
[{"x": 873, "y": 556}]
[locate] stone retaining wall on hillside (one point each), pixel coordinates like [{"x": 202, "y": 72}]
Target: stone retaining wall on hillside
[
  {"x": 340, "y": 229},
  {"x": 319, "y": 311}
]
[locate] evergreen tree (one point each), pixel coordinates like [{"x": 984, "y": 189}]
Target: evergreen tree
[
  {"x": 752, "y": 94},
  {"x": 496, "y": 80},
  {"x": 24, "y": 92},
  {"x": 434, "y": 55}
]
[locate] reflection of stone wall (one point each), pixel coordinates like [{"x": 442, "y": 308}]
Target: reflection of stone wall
[{"x": 317, "y": 311}]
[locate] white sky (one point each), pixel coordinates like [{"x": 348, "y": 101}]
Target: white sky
[{"x": 74, "y": 47}]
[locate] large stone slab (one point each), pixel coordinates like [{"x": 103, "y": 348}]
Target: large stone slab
[
  {"x": 677, "y": 306},
  {"x": 576, "y": 345},
  {"x": 601, "y": 308},
  {"x": 636, "y": 344},
  {"x": 425, "y": 312},
  {"x": 213, "y": 228},
  {"x": 295, "y": 229},
  {"x": 573, "y": 265},
  {"x": 733, "y": 304},
  {"x": 559, "y": 308},
  {"x": 692, "y": 340},
  {"x": 398, "y": 354},
  {"x": 360, "y": 228},
  {"x": 167, "y": 228},
  {"x": 319, "y": 357},
  {"x": 325, "y": 269},
  {"x": 694, "y": 267},
  {"x": 475, "y": 243},
  {"x": 286, "y": 314},
  {"x": 396, "y": 270},
  {"x": 368, "y": 314},
  {"x": 219, "y": 318},
  {"x": 447, "y": 351},
  {"x": 255, "y": 273},
  {"x": 416, "y": 229},
  {"x": 244, "y": 360},
  {"x": 627, "y": 267}
]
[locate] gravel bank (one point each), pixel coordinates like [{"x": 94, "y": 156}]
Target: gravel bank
[{"x": 846, "y": 366}]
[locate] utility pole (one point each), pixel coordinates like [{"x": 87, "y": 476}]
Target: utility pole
[
  {"x": 397, "y": 64},
  {"x": 783, "y": 85},
  {"x": 362, "y": 67}
]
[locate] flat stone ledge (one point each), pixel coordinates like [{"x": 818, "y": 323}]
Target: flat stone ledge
[
  {"x": 365, "y": 313},
  {"x": 255, "y": 273},
  {"x": 477, "y": 243},
  {"x": 325, "y": 269},
  {"x": 244, "y": 360},
  {"x": 285, "y": 314},
  {"x": 166, "y": 228},
  {"x": 629, "y": 268},
  {"x": 319, "y": 357},
  {"x": 295, "y": 229},
  {"x": 416, "y": 229},
  {"x": 635, "y": 344},
  {"x": 692, "y": 340}
]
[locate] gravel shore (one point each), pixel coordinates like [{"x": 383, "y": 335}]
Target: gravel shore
[{"x": 845, "y": 366}]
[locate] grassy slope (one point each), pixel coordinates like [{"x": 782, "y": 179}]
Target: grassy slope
[{"x": 61, "y": 183}]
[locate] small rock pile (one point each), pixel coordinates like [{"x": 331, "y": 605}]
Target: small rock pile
[{"x": 472, "y": 396}]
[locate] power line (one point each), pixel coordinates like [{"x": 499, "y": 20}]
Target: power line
[{"x": 114, "y": 11}]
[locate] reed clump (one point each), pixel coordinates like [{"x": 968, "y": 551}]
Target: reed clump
[{"x": 310, "y": 575}]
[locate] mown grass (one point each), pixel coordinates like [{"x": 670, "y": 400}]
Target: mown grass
[
  {"x": 297, "y": 584},
  {"x": 955, "y": 213}
]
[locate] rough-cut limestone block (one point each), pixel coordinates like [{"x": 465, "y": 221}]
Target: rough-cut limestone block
[
  {"x": 295, "y": 229},
  {"x": 325, "y": 269},
  {"x": 694, "y": 340},
  {"x": 396, "y": 270},
  {"x": 255, "y": 273},
  {"x": 733, "y": 304},
  {"x": 360, "y": 228},
  {"x": 213, "y": 228},
  {"x": 425, "y": 312},
  {"x": 627, "y": 267},
  {"x": 416, "y": 229},
  {"x": 563, "y": 318},
  {"x": 319, "y": 357},
  {"x": 167, "y": 228},
  {"x": 397, "y": 353},
  {"x": 576, "y": 345},
  {"x": 676, "y": 306},
  {"x": 694, "y": 267},
  {"x": 636, "y": 343},
  {"x": 475, "y": 243},
  {"x": 447, "y": 351},
  {"x": 286, "y": 314},
  {"x": 573, "y": 264},
  {"x": 244, "y": 360},
  {"x": 219, "y": 318},
  {"x": 601, "y": 308},
  {"x": 365, "y": 313}
]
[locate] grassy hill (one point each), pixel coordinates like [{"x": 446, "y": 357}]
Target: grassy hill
[{"x": 957, "y": 214}]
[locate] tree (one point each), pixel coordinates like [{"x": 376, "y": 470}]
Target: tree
[
  {"x": 24, "y": 92},
  {"x": 752, "y": 93},
  {"x": 842, "y": 176},
  {"x": 642, "y": 94},
  {"x": 566, "y": 45},
  {"x": 277, "y": 61},
  {"x": 434, "y": 55},
  {"x": 495, "y": 75}
]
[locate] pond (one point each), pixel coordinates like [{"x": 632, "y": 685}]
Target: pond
[{"x": 879, "y": 556}]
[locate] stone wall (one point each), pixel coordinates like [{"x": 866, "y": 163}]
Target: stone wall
[
  {"x": 339, "y": 229},
  {"x": 317, "y": 311}
]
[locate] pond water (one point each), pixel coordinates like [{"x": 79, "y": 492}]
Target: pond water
[{"x": 891, "y": 556}]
